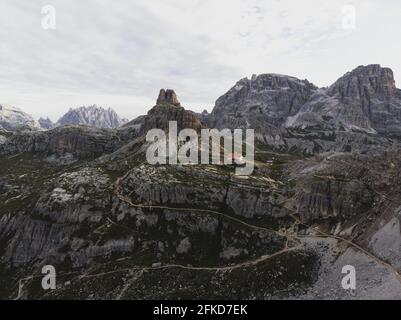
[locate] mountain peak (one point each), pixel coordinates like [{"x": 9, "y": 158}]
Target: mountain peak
[
  {"x": 167, "y": 96},
  {"x": 92, "y": 116},
  {"x": 365, "y": 81},
  {"x": 371, "y": 69},
  {"x": 273, "y": 81},
  {"x": 12, "y": 119}
]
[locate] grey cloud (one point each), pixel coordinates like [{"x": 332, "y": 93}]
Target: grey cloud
[{"x": 120, "y": 53}]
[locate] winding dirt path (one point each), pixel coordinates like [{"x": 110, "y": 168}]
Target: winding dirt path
[
  {"x": 261, "y": 259},
  {"x": 297, "y": 221},
  {"x": 178, "y": 266}
]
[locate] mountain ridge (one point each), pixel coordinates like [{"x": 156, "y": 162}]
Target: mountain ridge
[
  {"x": 13, "y": 119},
  {"x": 286, "y": 111},
  {"x": 92, "y": 116}
]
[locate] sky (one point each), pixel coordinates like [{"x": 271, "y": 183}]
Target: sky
[{"x": 120, "y": 53}]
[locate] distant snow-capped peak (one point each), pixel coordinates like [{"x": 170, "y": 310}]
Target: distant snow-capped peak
[
  {"x": 12, "y": 118},
  {"x": 92, "y": 116}
]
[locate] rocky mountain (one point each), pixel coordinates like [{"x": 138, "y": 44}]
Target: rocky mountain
[
  {"x": 168, "y": 97},
  {"x": 92, "y": 116},
  {"x": 264, "y": 100},
  {"x": 46, "y": 123},
  {"x": 364, "y": 100},
  {"x": 167, "y": 107},
  {"x": 13, "y": 119},
  {"x": 324, "y": 194},
  {"x": 362, "y": 107}
]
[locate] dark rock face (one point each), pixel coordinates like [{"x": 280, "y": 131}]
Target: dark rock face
[
  {"x": 282, "y": 109},
  {"x": 168, "y": 96},
  {"x": 348, "y": 189},
  {"x": 167, "y": 109},
  {"x": 266, "y": 99},
  {"x": 325, "y": 197},
  {"x": 82, "y": 142},
  {"x": 365, "y": 83},
  {"x": 160, "y": 115},
  {"x": 161, "y": 186},
  {"x": 370, "y": 92},
  {"x": 365, "y": 100}
]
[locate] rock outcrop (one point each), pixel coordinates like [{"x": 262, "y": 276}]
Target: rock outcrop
[
  {"x": 287, "y": 112},
  {"x": 370, "y": 93},
  {"x": 167, "y": 108},
  {"x": 168, "y": 96},
  {"x": 174, "y": 187},
  {"x": 263, "y": 101},
  {"x": 364, "y": 83},
  {"x": 364, "y": 100},
  {"x": 160, "y": 115}
]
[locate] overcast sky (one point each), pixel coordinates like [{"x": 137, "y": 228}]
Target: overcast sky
[{"x": 120, "y": 53}]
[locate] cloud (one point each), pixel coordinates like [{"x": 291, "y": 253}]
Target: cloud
[{"x": 120, "y": 54}]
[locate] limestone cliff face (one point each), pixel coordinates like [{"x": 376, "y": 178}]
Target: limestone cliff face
[
  {"x": 365, "y": 83},
  {"x": 371, "y": 92},
  {"x": 345, "y": 187},
  {"x": 175, "y": 187},
  {"x": 160, "y": 115},
  {"x": 81, "y": 142},
  {"x": 54, "y": 230},
  {"x": 365, "y": 99},
  {"x": 80, "y": 218},
  {"x": 263, "y": 101},
  {"x": 287, "y": 112}
]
